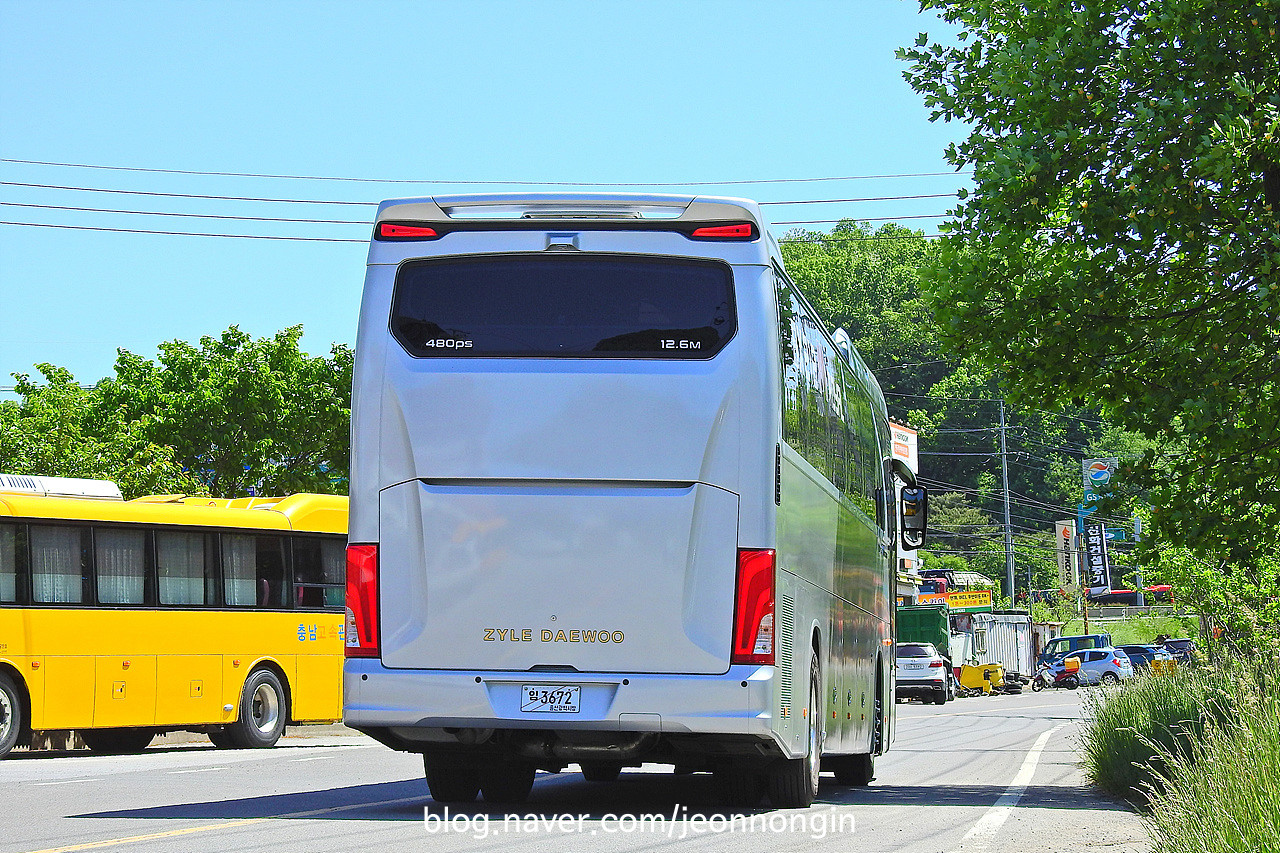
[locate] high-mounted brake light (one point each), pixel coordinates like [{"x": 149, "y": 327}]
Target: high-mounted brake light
[
  {"x": 736, "y": 231},
  {"x": 753, "y": 608},
  {"x": 394, "y": 231},
  {"x": 362, "y": 601}
]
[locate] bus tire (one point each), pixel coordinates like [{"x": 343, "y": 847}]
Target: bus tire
[
  {"x": 264, "y": 708},
  {"x": 739, "y": 787},
  {"x": 11, "y": 714},
  {"x": 601, "y": 771},
  {"x": 793, "y": 782},
  {"x": 503, "y": 782},
  {"x": 117, "y": 741},
  {"x": 221, "y": 739},
  {"x": 451, "y": 783},
  {"x": 855, "y": 770}
]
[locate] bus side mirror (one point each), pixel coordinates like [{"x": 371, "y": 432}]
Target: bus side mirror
[{"x": 915, "y": 516}]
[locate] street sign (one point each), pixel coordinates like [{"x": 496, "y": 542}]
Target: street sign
[
  {"x": 1097, "y": 567},
  {"x": 1066, "y": 539}
]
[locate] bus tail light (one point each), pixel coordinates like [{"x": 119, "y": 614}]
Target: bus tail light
[
  {"x": 362, "y": 601},
  {"x": 405, "y": 231},
  {"x": 753, "y": 608},
  {"x": 736, "y": 231}
]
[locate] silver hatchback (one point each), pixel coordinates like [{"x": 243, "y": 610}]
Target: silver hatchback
[{"x": 1103, "y": 666}]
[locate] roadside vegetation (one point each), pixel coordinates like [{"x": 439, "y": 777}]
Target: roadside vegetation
[{"x": 1198, "y": 751}]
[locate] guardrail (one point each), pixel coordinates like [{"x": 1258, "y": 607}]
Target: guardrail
[{"x": 1103, "y": 612}]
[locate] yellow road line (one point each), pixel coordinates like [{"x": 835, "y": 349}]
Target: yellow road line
[{"x": 173, "y": 833}]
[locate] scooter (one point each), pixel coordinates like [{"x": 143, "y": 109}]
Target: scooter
[{"x": 1051, "y": 675}]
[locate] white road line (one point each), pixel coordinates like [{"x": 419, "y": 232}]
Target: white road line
[
  {"x": 979, "y": 838},
  {"x": 67, "y": 782},
  {"x": 196, "y": 770}
]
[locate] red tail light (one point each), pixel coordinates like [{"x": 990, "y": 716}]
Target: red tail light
[
  {"x": 1116, "y": 661},
  {"x": 736, "y": 231},
  {"x": 935, "y": 663},
  {"x": 753, "y": 608},
  {"x": 395, "y": 231},
  {"x": 362, "y": 601}
]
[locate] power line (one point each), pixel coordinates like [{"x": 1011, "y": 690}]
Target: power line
[
  {"x": 365, "y": 223},
  {"x": 156, "y": 194},
  {"x": 482, "y": 183},
  {"x": 185, "y": 233}
]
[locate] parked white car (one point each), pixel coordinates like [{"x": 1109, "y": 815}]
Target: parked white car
[{"x": 924, "y": 673}]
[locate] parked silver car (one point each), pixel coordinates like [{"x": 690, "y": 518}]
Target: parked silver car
[{"x": 1103, "y": 666}]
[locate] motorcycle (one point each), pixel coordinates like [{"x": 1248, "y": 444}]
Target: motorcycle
[{"x": 1054, "y": 675}]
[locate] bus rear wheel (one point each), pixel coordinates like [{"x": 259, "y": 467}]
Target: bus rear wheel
[
  {"x": 451, "y": 783},
  {"x": 10, "y": 715},
  {"x": 264, "y": 708},
  {"x": 503, "y": 782},
  {"x": 793, "y": 782},
  {"x": 117, "y": 741}
]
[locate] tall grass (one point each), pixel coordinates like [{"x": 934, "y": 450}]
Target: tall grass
[
  {"x": 1133, "y": 731},
  {"x": 1224, "y": 795},
  {"x": 1201, "y": 752}
]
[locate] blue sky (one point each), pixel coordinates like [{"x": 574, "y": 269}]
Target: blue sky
[{"x": 440, "y": 96}]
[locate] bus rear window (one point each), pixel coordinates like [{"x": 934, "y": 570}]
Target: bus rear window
[{"x": 580, "y": 307}]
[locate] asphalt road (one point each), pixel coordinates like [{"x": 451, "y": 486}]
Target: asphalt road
[{"x": 994, "y": 774}]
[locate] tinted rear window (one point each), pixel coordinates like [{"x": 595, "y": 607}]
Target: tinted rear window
[
  {"x": 581, "y": 307},
  {"x": 916, "y": 651}
]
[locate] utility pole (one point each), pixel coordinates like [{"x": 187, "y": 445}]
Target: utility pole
[{"x": 1008, "y": 526}]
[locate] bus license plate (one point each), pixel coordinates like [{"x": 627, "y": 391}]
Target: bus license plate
[{"x": 550, "y": 698}]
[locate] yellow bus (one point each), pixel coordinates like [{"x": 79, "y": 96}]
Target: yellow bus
[{"x": 123, "y": 619}]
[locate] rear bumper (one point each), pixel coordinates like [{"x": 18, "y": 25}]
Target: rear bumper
[
  {"x": 737, "y": 702},
  {"x": 910, "y": 686}
]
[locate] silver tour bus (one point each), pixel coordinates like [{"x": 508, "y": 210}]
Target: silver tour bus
[{"x": 616, "y": 498}]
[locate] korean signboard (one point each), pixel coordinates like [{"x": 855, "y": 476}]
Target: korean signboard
[{"x": 1096, "y": 569}]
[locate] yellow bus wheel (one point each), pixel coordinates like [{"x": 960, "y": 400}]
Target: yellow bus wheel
[
  {"x": 10, "y": 714},
  {"x": 264, "y": 708}
]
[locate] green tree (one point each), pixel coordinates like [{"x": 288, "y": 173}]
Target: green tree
[
  {"x": 243, "y": 414},
  {"x": 60, "y": 429},
  {"x": 1120, "y": 245}
]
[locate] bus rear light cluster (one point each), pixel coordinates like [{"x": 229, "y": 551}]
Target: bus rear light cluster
[
  {"x": 753, "y": 608},
  {"x": 736, "y": 231},
  {"x": 362, "y": 601},
  {"x": 405, "y": 231}
]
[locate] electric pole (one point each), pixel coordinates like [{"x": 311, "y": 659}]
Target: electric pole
[{"x": 1008, "y": 526}]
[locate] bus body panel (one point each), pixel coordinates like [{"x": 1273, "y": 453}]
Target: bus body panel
[{"x": 590, "y": 577}]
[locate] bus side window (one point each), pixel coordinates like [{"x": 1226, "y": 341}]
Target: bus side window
[
  {"x": 319, "y": 567},
  {"x": 8, "y": 563},
  {"x": 59, "y": 564},
  {"x": 120, "y": 565},
  {"x": 253, "y": 570},
  {"x": 181, "y": 566}
]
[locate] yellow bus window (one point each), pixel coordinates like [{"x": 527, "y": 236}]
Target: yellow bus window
[
  {"x": 8, "y": 563},
  {"x": 180, "y": 565},
  {"x": 57, "y": 564},
  {"x": 121, "y": 562},
  {"x": 253, "y": 570},
  {"x": 319, "y": 572}
]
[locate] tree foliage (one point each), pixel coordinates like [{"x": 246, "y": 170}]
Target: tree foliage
[
  {"x": 232, "y": 416},
  {"x": 58, "y": 428},
  {"x": 1120, "y": 245}
]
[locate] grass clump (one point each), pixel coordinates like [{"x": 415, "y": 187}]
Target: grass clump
[
  {"x": 1224, "y": 793},
  {"x": 1134, "y": 731}
]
